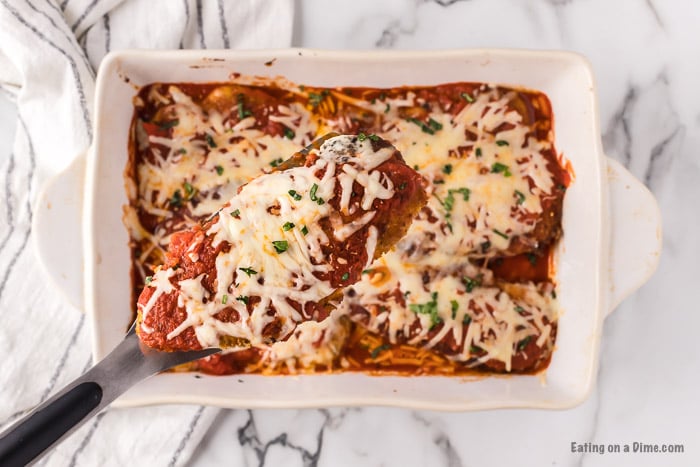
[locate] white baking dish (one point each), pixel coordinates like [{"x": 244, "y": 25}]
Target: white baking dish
[{"x": 611, "y": 244}]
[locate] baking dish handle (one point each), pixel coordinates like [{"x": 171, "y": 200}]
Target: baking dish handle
[
  {"x": 56, "y": 228},
  {"x": 635, "y": 224}
]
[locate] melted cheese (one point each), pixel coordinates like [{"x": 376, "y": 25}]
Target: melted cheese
[
  {"x": 270, "y": 258},
  {"x": 503, "y": 172}
]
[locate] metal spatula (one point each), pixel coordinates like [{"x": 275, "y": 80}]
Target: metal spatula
[{"x": 50, "y": 422}]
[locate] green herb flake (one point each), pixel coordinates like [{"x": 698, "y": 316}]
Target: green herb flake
[
  {"x": 485, "y": 246},
  {"x": 243, "y": 299},
  {"x": 219, "y": 170},
  {"x": 520, "y": 310},
  {"x": 467, "y": 97},
  {"x": 497, "y": 168},
  {"x": 500, "y": 234},
  {"x": 148, "y": 280},
  {"x": 478, "y": 152},
  {"x": 467, "y": 319},
  {"x": 434, "y": 125},
  {"x": 289, "y": 133},
  {"x": 312, "y": 195},
  {"x": 373, "y": 137},
  {"x": 168, "y": 125},
  {"x": 520, "y": 197},
  {"x": 189, "y": 190},
  {"x": 367, "y": 271},
  {"x": 242, "y": 112},
  {"x": 475, "y": 349},
  {"x": 249, "y": 271},
  {"x": 447, "y": 169},
  {"x": 532, "y": 258},
  {"x": 386, "y": 110},
  {"x": 455, "y": 306},
  {"x": 288, "y": 226},
  {"x": 295, "y": 195},
  {"x": 425, "y": 128},
  {"x": 276, "y": 162},
  {"x": 523, "y": 343},
  {"x": 210, "y": 140},
  {"x": 224, "y": 299},
  {"x": 304, "y": 230},
  {"x": 315, "y": 99},
  {"x": 430, "y": 308},
  {"x": 280, "y": 245},
  {"x": 501, "y": 142},
  {"x": 176, "y": 199},
  {"x": 345, "y": 276},
  {"x": 361, "y": 137},
  {"x": 181, "y": 151},
  {"x": 236, "y": 213},
  {"x": 471, "y": 283},
  {"x": 377, "y": 350},
  {"x": 402, "y": 186}
]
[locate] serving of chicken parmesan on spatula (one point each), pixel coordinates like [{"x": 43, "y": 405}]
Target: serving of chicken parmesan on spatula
[{"x": 283, "y": 248}]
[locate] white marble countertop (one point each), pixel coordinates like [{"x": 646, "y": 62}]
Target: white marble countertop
[{"x": 645, "y": 57}]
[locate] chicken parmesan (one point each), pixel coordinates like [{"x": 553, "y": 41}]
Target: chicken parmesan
[
  {"x": 468, "y": 288},
  {"x": 275, "y": 254}
]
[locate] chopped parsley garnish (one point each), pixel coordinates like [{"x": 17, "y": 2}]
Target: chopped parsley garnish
[
  {"x": 304, "y": 230},
  {"x": 312, "y": 195},
  {"x": 181, "y": 151},
  {"x": 176, "y": 199},
  {"x": 294, "y": 195},
  {"x": 554, "y": 294},
  {"x": 485, "y": 246},
  {"x": 455, "y": 307},
  {"x": 289, "y": 133},
  {"x": 280, "y": 245},
  {"x": 315, "y": 98},
  {"x": 149, "y": 279},
  {"x": 402, "y": 186},
  {"x": 434, "y": 125},
  {"x": 219, "y": 170},
  {"x": 242, "y": 111},
  {"x": 497, "y": 168},
  {"x": 449, "y": 201},
  {"x": 523, "y": 343},
  {"x": 501, "y": 142},
  {"x": 415, "y": 166},
  {"x": 478, "y": 152},
  {"x": 189, "y": 190},
  {"x": 373, "y": 137},
  {"x": 475, "y": 349},
  {"x": 345, "y": 277},
  {"x": 520, "y": 196},
  {"x": 170, "y": 124},
  {"x": 429, "y": 308},
  {"x": 377, "y": 350},
  {"x": 276, "y": 162},
  {"x": 425, "y": 128},
  {"x": 520, "y": 310},
  {"x": 532, "y": 258},
  {"x": 470, "y": 283},
  {"x": 467, "y": 319},
  {"x": 224, "y": 299},
  {"x": 500, "y": 234},
  {"x": 210, "y": 140},
  {"x": 361, "y": 136},
  {"x": 467, "y": 97},
  {"x": 367, "y": 271},
  {"x": 288, "y": 226},
  {"x": 386, "y": 110},
  {"x": 243, "y": 299},
  {"x": 447, "y": 169},
  {"x": 249, "y": 271},
  {"x": 236, "y": 213}
]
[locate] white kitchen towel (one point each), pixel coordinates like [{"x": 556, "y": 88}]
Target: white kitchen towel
[{"x": 49, "y": 51}]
